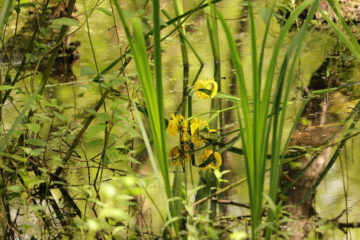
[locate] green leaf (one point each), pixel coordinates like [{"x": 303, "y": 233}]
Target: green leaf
[
  {"x": 15, "y": 124},
  {"x": 133, "y": 160},
  {"x": 227, "y": 97},
  {"x": 36, "y": 151},
  {"x": 5, "y": 11},
  {"x": 64, "y": 21},
  {"x": 104, "y": 116},
  {"x": 15, "y": 157},
  {"x": 15, "y": 188},
  {"x": 36, "y": 142},
  {"x": 6, "y": 87},
  {"x": 104, "y": 10},
  {"x": 33, "y": 127},
  {"x": 95, "y": 129},
  {"x": 130, "y": 14},
  {"x": 60, "y": 116}
]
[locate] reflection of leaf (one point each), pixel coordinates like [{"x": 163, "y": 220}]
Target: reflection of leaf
[
  {"x": 87, "y": 71},
  {"x": 95, "y": 129},
  {"x": 265, "y": 14},
  {"x": 104, "y": 10},
  {"x": 64, "y": 21}
]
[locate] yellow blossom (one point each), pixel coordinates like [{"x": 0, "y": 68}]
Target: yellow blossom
[
  {"x": 184, "y": 137},
  {"x": 210, "y": 85},
  {"x": 209, "y": 155},
  {"x": 178, "y": 156},
  {"x": 218, "y": 161},
  {"x": 176, "y": 124},
  {"x": 196, "y": 125}
]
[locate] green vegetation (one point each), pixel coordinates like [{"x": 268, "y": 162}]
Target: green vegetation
[{"x": 118, "y": 145}]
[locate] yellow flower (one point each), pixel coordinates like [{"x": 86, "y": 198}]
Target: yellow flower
[
  {"x": 178, "y": 156},
  {"x": 195, "y": 126},
  {"x": 176, "y": 124},
  {"x": 184, "y": 136},
  {"x": 214, "y": 159},
  {"x": 174, "y": 155},
  {"x": 218, "y": 161},
  {"x": 210, "y": 85}
]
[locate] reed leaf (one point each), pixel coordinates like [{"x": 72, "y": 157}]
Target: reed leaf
[
  {"x": 153, "y": 95},
  {"x": 5, "y": 11},
  {"x": 255, "y": 125}
]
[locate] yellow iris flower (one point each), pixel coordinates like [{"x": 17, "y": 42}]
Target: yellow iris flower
[
  {"x": 176, "y": 124},
  {"x": 177, "y": 156},
  {"x": 210, "y": 85},
  {"x": 208, "y": 153},
  {"x": 195, "y": 126}
]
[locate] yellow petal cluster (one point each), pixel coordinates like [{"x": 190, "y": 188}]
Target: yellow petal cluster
[
  {"x": 209, "y": 153},
  {"x": 206, "y": 84},
  {"x": 195, "y": 126},
  {"x": 177, "y": 124},
  {"x": 178, "y": 155}
]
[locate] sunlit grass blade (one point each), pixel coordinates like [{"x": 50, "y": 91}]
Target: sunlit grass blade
[
  {"x": 336, "y": 8},
  {"x": 5, "y": 11},
  {"x": 280, "y": 107},
  {"x": 267, "y": 19},
  {"x": 211, "y": 23},
  {"x": 16, "y": 123},
  {"x": 153, "y": 95},
  {"x": 281, "y": 103},
  {"x": 353, "y": 47},
  {"x": 152, "y": 161},
  {"x": 215, "y": 121},
  {"x": 180, "y": 178},
  {"x": 179, "y": 11},
  {"x": 244, "y": 118}
]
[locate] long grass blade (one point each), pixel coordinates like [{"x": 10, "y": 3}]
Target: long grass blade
[{"x": 4, "y": 13}]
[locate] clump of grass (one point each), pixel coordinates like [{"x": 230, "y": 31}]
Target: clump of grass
[
  {"x": 261, "y": 126},
  {"x": 256, "y": 123}
]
